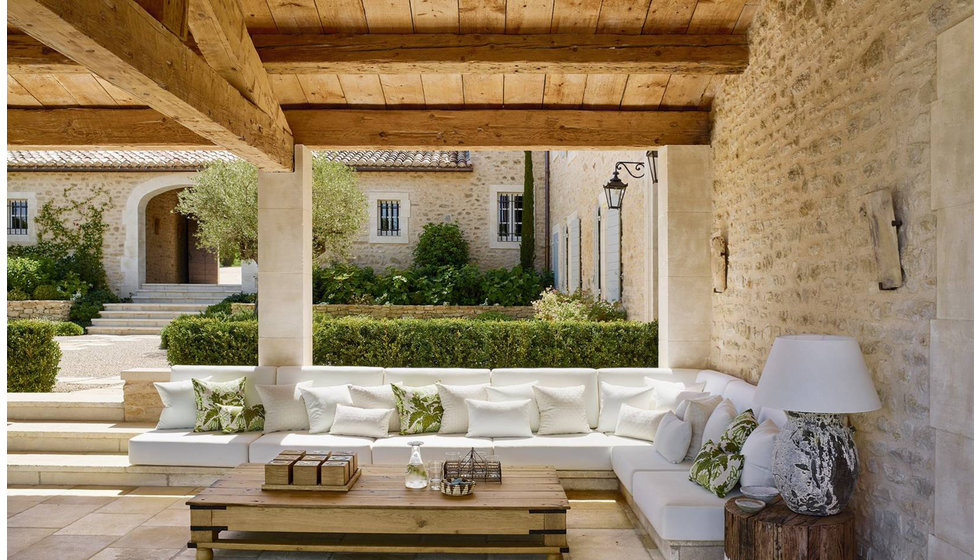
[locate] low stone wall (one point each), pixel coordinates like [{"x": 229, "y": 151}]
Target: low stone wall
[
  {"x": 141, "y": 401},
  {"x": 410, "y": 311},
  {"x": 50, "y": 309}
]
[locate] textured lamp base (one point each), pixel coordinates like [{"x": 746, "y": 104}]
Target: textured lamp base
[{"x": 815, "y": 463}]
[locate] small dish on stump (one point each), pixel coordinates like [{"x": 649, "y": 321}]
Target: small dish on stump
[
  {"x": 749, "y": 505},
  {"x": 765, "y": 493},
  {"x": 456, "y": 487}
]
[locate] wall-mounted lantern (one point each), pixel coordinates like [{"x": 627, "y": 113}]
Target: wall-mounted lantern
[{"x": 616, "y": 189}]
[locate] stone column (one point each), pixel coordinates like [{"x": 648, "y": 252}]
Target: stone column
[
  {"x": 683, "y": 254},
  {"x": 951, "y": 341},
  {"x": 286, "y": 264}
]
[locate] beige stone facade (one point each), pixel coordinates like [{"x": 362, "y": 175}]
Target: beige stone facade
[
  {"x": 52, "y": 310},
  {"x": 835, "y": 104}
]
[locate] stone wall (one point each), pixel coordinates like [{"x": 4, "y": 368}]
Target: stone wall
[
  {"x": 409, "y": 311},
  {"x": 460, "y": 196},
  {"x": 52, "y": 310},
  {"x": 835, "y": 104},
  {"x": 577, "y": 178}
]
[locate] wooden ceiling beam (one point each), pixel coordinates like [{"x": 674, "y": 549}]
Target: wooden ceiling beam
[
  {"x": 469, "y": 54},
  {"x": 125, "y": 45},
  {"x": 373, "y": 129}
]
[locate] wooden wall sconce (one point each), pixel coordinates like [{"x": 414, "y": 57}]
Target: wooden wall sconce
[
  {"x": 878, "y": 209},
  {"x": 719, "y": 264}
]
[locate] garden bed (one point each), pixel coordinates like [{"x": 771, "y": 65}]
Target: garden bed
[{"x": 409, "y": 311}]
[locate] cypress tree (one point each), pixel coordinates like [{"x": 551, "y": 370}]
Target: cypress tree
[{"x": 527, "y": 224}]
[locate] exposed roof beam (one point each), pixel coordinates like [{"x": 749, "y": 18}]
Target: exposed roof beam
[
  {"x": 122, "y": 43},
  {"x": 451, "y": 54},
  {"x": 367, "y": 129}
]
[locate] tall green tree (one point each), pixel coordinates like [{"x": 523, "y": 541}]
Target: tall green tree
[
  {"x": 224, "y": 200},
  {"x": 527, "y": 224}
]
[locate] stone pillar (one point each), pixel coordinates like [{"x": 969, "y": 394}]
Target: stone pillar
[
  {"x": 286, "y": 264},
  {"x": 683, "y": 254},
  {"x": 951, "y": 339}
]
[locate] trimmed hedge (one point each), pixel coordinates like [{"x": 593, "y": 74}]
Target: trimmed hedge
[
  {"x": 67, "y": 328},
  {"x": 362, "y": 341},
  {"x": 32, "y": 356}
]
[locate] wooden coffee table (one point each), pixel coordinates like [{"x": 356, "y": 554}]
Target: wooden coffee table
[{"x": 525, "y": 514}]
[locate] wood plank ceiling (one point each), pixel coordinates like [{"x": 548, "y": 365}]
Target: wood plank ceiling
[{"x": 606, "y": 91}]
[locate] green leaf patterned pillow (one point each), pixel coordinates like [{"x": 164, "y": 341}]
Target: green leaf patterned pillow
[
  {"x": 419, "y": 408},
  {"x": 737, "y": 432},
  {"x": 208, "y": 398},
  {"x": 234, "y": 419},
  {"x": 716, "y": 470}
]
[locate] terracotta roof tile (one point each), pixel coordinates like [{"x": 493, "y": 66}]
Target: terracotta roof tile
[{"x": 192, "y": 160}]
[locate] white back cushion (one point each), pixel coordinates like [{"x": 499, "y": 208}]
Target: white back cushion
[
  {"x": 714, "y": 381},
  {"x": 328, "y": 376},
  {"x": 742, "y": 395},
  {"x": 254, "y": 375},
  {"x": 633, "y": 377},
  {"x": 777, "y": 416},
  {"x": 416, "y": 377},
  {"x": 556, "y": 377}
]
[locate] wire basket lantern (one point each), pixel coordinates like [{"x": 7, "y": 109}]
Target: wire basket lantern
[{"x": 473, "y": 466}]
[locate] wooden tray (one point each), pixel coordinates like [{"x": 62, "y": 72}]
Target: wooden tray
[{"x": 316, "y": 488}]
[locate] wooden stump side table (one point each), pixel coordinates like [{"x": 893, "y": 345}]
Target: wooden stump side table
[{"x": 776, "y": 533}]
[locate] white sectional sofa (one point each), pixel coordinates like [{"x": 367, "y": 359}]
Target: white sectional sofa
[{"x": 685, "y": 520}]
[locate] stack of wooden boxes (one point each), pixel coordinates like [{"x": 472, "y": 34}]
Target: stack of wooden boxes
[{"x": 315, "y": 470}]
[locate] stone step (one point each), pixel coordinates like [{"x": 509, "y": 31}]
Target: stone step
[
  {"x": 122, "y": 331},
  {"x": 130, "y": 322},
  {"x": 185, "y": 299},
  {"x": 124, "y": 314},
  {"x": 101, "y": 470},
  {"x": 72, "y": 437},
  {"x": 92, "y": 405},
  {"x": 177, "y": 293},
  {"x": 236, "y": 288},
  {"x": 188, "y": 308}
]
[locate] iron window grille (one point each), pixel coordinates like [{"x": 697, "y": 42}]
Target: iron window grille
[
  {"x": 510, "y": 214},
  {"x": 389, "y": 222},
  {"x": 16, "y": 217}
]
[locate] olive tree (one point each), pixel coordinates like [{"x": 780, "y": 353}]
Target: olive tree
[{"x": 224, "y": 201}]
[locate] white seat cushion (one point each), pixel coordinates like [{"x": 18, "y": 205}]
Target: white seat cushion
[
  {"x": 190, "y": 449},
  {"x": 265, "y": 448},
  {"x": 328, "y": 376},
  {"x": 714, "y": 381},
  {"x": 628, "y": 460},
  {"x": 679, "y": 509},
  {"x": 633, "y": 377},
  {"x": 555, "y": 377},
  {"x": 585, "y": 452},
  {"x": 742, "y": 395},
  {"x": 395, "y": 450},
  {"x": 416, "y": 377}
]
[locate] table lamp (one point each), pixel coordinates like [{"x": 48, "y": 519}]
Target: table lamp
[{"x": 816, "y": 379}]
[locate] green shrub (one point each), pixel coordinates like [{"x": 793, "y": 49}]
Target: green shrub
[
  {"x": 224, "y": 306},
  {"x": 579, "y": 306},
  {"x": 344, "y": 283},
  {"x": 25, "y": 273},
  {"x": 67, "y": 328},
  {"x": 47, "y": 291},
  {"x": 427, "y": 343},
  {"x": 494, "y": 316},
  {"x": 32, "y": 356},
  {"x": 88, "y": 306},
  {"x": 450, "y": 285},
  {"x": 441, "y": 245},
  {"x": 398, "y": 287},
  {"x": 17, "y": 295},
  {"x": 517, "y": 286}
]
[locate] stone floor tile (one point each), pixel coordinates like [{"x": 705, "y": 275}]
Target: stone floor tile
[
  {"x": 155, "y": 537},
  {"x": 224, "y": 553},
  {"x": 17, "y": 504},
  {"x": 173, "y": 517},
  {"x": 76, "y": 499},
  {"x": 19, "y": 538},
  {"x": 588, "y": 544},
  {"x": 281, "y": 555},
  {"x": 139, "y": 504},
  {"x": 165, "y": 491},
  {"x": 64, "y": 547},
  {"x": 117, "y": 524},
  {"x": 597, "y": 511},
  {"x": 51, "y": 515},
  {"x": 136, "y": 554}
]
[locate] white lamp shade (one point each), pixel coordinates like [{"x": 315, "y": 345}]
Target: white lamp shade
[{"x": 817, "y": 373}]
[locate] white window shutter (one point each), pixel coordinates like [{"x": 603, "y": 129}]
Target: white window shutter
[
  {"x": 574, "y": 254},
  {"x": 555, "y": 271},
  {"x": 597, "y": 282},
  {"x": 611, "y": 266}
]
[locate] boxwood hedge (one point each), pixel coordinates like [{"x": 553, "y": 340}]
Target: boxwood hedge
[
  {"x": 427, "y": 343},
  {"x": 32, "y": 356}
]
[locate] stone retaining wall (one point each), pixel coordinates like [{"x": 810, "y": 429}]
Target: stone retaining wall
[
  {"x": 52, "y": 310},
  {"x": 141, "y": 401},
  {"x": 410, "y": 311}
]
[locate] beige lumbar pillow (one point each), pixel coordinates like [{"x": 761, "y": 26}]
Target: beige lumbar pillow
[
  {"x": 639, "y": 423},
  {"x": 562, "y": 410}
]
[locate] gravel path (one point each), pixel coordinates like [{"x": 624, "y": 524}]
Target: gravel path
[{"x": 96, "y": 360}]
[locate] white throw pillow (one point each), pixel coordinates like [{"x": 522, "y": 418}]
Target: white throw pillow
[
  {"x": 680, "y": 406},
  {"x": 667, "y": 392},
  {"x": 639, "y": 423},
  {"x": 321, "y": 405},
  {"x": 179, "y": 407},
  {"x": 364, "y": 422},
  {"x": 498, "y": 419},
  {"x": 696, "y": 414},
  {"x": 757, "y": 450},
  {"x": 377, "y": 396},
  {"x": 562, "y": 410},
  {"x": 455, "y": 416},
  {"x": 673, "y": 438},
  {"x": 285, "y": 410},
  {"x": 524, "y": 391},
  {"x": 718, "y": 422},
  {"x": 611, "y": 397}
]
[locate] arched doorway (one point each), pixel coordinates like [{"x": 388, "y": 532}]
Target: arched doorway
[{"x": 170, "y": 241}]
